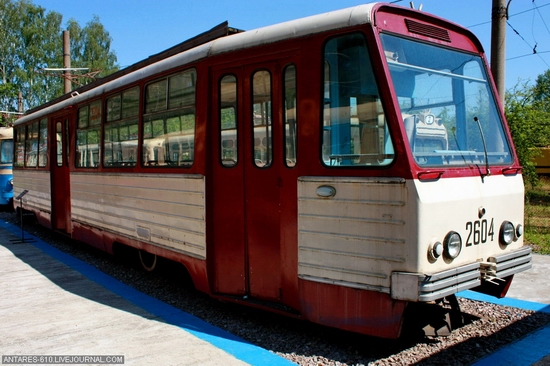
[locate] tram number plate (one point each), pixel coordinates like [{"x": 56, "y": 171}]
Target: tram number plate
[{"x": 479, "y": 232}]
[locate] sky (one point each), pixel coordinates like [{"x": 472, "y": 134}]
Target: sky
[{"x": 141, "y": 28}]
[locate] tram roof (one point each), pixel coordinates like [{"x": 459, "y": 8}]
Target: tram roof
[{"x": 220, "y": 39}]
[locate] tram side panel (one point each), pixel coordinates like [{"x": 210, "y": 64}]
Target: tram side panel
[
  {"x": 352, "y": 234},
  {"x": 163, "y": 214},
  {"x": 38, "y": 197}
]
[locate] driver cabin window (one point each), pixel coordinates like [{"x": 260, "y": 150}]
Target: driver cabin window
[{"x": 355, "y": 132}]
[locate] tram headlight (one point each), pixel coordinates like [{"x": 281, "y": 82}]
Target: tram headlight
[
  {"x": 507, "y": 233},
  {"x": 519, "y": 230},
  {"x": 11, "y": 182},
  {"x": 452, "y": 245},
  {"x": 435, "y": 249}
]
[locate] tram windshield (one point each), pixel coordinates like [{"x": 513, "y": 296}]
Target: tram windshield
[{"x": 450, "y": 114}]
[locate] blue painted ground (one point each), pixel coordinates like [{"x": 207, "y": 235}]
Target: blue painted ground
[{"x": 525, "y": 351}]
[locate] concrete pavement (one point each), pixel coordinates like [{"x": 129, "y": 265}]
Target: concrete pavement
[
  {"x": 54, "y": 304},
  {"x": 534, "y": 284}
]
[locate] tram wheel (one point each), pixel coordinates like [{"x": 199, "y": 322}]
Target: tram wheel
[
  {"x": 456, "y": 317},
  {"x": 148, "y": 261}
]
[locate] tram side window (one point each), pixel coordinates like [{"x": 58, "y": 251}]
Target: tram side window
[
  {"x": 43, "y": 143},
  {"x": 228, "y": 121},
  {"x": 31, "y": 148},
  {"x": 120, "y": 142},
  {"x": 169, "y": 121},
  {"x": 355, "y": 132},
  {"x": 31, "y": 144},
  {"x": 59, "y": 136},
  {"x": 290, "y": 115},
  {"x": 88, "y": 135},
  {"x": 19, "y": 156},
  {"x": 261, "y": 119}
]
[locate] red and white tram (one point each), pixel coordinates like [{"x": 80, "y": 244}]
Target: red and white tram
[{"x": 335, "y": 168}]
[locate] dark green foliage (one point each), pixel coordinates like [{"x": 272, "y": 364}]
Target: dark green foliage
[
  {"x": 528, "y": 114},
  {"x": 31, "y": 39}
]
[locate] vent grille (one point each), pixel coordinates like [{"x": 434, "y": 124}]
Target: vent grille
[{"x": 427, "y": 30}]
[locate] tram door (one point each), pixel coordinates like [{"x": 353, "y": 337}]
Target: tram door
[
  {"x": 246, "y": 159},
  {"x": 59, "y": 169}
]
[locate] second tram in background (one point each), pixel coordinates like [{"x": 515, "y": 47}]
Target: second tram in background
[
  {"x": 542, "y": 161},
  {"x": 6, "y": 162},
  {"x": 336, "y": 168}
]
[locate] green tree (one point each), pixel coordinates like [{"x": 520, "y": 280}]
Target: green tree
[
  {"x": 89, "y": 46},
  {"x": 31, "y": 40},
  {"x": 528, "y": 114},
  {"x": 541, "y": 90}
]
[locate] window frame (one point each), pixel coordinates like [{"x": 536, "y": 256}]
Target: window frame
[
  {"x": 265, "y": 103},
  {"x": 290, "y": 130},
  {"x": 87, "y": 125},
  {"x": 120, "y": 121},
  {"x": 232, "y": 160},
  {"x": 177, "y": 146},
  {"x": 364, "y": 110}
]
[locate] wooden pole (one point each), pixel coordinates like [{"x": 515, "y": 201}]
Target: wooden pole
[
  {"x": 20, "y": 102},
  {"x": 499, "y": 15},
  {"x": 67, "y": 61}
]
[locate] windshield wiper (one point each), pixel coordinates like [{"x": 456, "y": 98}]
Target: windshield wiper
[{"x": 487, "y": 171}]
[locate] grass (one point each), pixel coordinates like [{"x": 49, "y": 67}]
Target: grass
[{"x": 537, "y": 216}]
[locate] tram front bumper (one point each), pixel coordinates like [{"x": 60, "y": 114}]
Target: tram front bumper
[
  {"x": 428, "y": 287},
  {"x": 507, "y": 264}
]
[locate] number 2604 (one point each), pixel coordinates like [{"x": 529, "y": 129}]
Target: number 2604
[{"x": 479, "y": 232}]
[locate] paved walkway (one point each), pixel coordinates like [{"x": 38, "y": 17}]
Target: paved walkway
[
  {"x": 534, "y": 284},
  {"x": 54, "y": 304}
]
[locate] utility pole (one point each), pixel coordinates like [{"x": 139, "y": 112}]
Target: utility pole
[
  {"x": 499, "y": 15},
  {"x": 67, "y": 61},
  {"x": 70, "y": 74}
]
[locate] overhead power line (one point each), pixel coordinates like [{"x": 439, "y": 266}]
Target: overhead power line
[
  {"x": 78, "y": 79},
  {"x": 513, "y": 15},
  {"x": 526, "y": 55},
  {"x": 534, "y": 48},
  {"x": 65, "y": 69}
]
